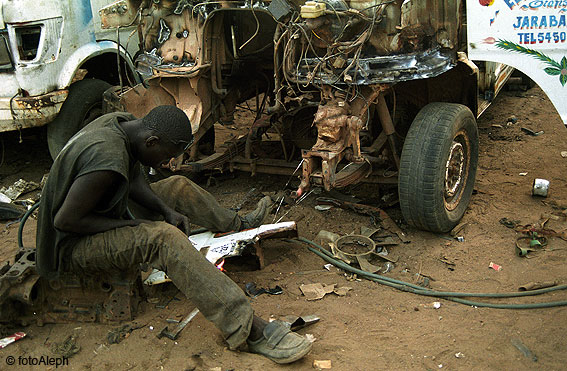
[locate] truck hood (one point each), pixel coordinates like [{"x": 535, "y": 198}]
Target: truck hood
[{"x": 21, "y": 11}]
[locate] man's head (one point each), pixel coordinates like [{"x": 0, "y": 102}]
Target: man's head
[{"x": 167, "y": 135}]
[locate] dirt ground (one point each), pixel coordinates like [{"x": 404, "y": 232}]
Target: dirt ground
[{"x": 373, "y": 327}]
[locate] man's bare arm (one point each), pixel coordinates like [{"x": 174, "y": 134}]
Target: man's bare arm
[{"x": 87, "y": 191}]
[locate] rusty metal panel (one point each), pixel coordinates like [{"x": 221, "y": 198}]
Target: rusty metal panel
[
  {"x": 26, "y": 112},
  {"x": 26, "y": 297},
  {"x": 118, "y": 14}
]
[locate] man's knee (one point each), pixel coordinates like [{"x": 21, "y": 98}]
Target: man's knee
[
  {"x": 162, "y": 233},
  {"x": 173, "y": 185},
  {"x": 176, "y": 181}
]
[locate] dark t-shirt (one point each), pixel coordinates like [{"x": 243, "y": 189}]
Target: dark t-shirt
[{"x": 101, "y": 145}]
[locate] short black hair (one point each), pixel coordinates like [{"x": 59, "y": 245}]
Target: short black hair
[{"x": 170, "y": 123}]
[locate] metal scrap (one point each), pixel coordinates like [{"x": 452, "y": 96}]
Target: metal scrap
[
  {"x": 295, "y": 323},
  {"x": 67, "y": 348},
  {"x": 509, "y": 223},
  {"x": 536, "y": 285},
  {"x": 372, "y": 211},
  {"x": 177, "y": 330},
  {"x": 316, "y": 291},
  {"x": 245, "y": 199},
  {"x": 93, "y": 298},
  {"x": 10, "y": 339},
  {"x": 322, "y": 364},
  {"x": 251, "y": 290},
  {"x": 18, "y": 188},
  {"x": 524, "y": 349},
  {"x": 118, "y": 334}
]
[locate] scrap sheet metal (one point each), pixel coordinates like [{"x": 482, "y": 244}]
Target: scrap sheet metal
[{"x": 217, "y": 246}]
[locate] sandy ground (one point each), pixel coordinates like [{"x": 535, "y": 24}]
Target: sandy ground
[{"x": 373, "y": 326}]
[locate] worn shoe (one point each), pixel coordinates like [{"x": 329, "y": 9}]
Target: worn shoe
[
  {"x": 280, "y": 344},
  {"x": 255, "y": 218}
]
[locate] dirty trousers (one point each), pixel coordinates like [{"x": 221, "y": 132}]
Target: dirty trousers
[{"x": 166, "y": 248}]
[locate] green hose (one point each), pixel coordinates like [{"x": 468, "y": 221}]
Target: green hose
[
  {"x": 23, "y": 222},
  {"x": 452, "y": 296}
]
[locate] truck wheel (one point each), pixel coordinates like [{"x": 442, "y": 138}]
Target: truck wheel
[
  {"x": 83, "y": 105},
  {"x": 438, "y": 166}
]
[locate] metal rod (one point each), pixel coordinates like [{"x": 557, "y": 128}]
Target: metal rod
[
  {"x": 278, "y": 209},
  {"x": 299, "y": 200}
]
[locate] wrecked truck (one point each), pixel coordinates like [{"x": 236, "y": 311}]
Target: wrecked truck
[
  {"x": 55, "y": 63},
  {"x": 379, "y": 91}
]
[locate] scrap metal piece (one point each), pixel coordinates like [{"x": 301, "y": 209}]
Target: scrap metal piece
[
  {"x": 164, "y": 32},
  {"x": 537, "y": 285},
  {"x": 280, "y": 9},
  {"x": 540, "y": 187},
  {"x": 252, "y": 291},
  {"x": 368, "y": 249},
  {"x": 35, "y": 110},
  {"x": 217, "y": 246},
  {"x": 156, "y": 277},
  {"x": 295, "y": 322},
  {"x": 118, "y": 334},
  {"x": 10, "y": 339},
  {"x": 18, "y": 188},
  {"x": 117, "y": 14},
  {"x": 181, "y": 5},
  {"x": 366, "y": 266},
  {"x": 373, "y": 211},
  {"x": 316, "y": 291},
  {"x": 524, "y": 349},
  {"x": 175, "y": 333},
  {"x": 26, "y": 297},
  {"x": 382, "y": 69},
  {"x": 245, "y": 199}
]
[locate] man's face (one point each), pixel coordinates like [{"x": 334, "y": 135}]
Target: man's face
[{"x": 157, "y": 152}]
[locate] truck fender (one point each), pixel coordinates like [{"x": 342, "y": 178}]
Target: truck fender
[{"x": 86, "y": 52}]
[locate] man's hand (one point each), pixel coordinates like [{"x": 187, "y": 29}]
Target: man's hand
[{"x": 177, "y": 219}]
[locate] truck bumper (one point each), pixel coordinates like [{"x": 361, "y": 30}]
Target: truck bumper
[{"x": 27, "y": 112}]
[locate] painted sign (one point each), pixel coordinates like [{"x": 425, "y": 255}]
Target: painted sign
[{"x": 529, "y": 35}]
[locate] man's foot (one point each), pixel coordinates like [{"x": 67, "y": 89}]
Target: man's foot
[
  {"x": 280, "y": 344},
  {"x": 255, "y": 218}
]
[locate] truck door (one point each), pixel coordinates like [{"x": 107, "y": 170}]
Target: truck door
[{"x": 529, "y": 35}]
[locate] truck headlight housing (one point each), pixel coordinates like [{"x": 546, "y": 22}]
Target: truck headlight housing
[{"x": 27, "y": 39}]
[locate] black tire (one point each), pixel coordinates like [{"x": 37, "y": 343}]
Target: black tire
[
  {"x": 83, "y": 105},
  {"x": 438, "y": 166}
]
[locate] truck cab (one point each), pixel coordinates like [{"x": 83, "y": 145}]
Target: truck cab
[{"x": 53, "y": 52}]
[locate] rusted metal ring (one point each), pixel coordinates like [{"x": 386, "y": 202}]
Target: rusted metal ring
[
  {"x": 358, "y": 239},
  {"x": 454, "y": 169},
  {"x": 457, "y": 170}
]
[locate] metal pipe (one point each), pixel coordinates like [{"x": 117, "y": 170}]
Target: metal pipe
[
  {"x": 388, "y": 126},
  {"x": 277, "y": 40}
]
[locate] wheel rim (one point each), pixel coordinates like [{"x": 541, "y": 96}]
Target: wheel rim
[{"x": 456, "y": 170}]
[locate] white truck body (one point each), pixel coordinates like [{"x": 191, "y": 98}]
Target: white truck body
[
  {"x": 44, "y": 44},
  {"x": 529, "y": 35}
]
